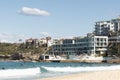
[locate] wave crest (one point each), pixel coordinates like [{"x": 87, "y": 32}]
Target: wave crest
[
  {"x": 81, "y": 69},
  {"x": 12, "y": 73}
]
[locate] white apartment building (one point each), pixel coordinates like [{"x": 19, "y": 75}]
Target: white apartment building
[
  {"x": 80, "y": 45},
  {"x": 48, "y": 41},
  {"x": 98, "y": 44},
  {"x": 102, "y": 28}
]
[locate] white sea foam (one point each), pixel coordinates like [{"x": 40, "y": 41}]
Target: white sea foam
[
  {"x": 81, "y": 69},
  {"x": 13, "y": 73}
]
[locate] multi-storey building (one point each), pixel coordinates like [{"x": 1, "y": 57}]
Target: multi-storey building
[
  {"x": 102, "y": 28},
  {"x": 69, "y": 46},
  {"x": 32, "y": 42},
  {"x": 46, "y": 42},
  {"x": 98, "y": 44},
  {"x": 80, "y": 45}
]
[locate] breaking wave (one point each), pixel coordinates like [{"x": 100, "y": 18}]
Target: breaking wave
[
  {"x": 13, "y": 73},
  {"x": 81, "y": 69}
]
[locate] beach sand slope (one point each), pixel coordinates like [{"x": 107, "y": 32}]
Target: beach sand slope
[{"x": 100, "y": 75}]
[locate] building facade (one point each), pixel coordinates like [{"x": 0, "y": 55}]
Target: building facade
[
  {"x": 98, "y": 44},
  {"x": 32, "y": 42},
  {"x": 44, "y": 42},
  {"x": 114, "y": 40},
  {"x": 102, "y": 28},
  {"x": 80, "y": 45}
]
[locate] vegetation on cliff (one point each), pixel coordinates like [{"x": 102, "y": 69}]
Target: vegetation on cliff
[{"x": 9, "y": 48}]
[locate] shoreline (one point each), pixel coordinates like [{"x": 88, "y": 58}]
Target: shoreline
[
  {"x": 67, "y": 61},
  {"x": 100, "y": 75}
]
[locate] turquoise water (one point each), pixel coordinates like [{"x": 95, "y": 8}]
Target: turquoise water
[{"x": 39, "y": 70}]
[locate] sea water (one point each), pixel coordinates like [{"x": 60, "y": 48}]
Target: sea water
[{"x": 39, "y": 70}]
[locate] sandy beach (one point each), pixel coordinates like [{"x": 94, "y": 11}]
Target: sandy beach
[{"x": 100, "y": 75}]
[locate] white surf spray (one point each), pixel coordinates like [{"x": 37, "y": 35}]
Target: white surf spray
[
  {"x": 14, "y": 73},
  {"x": 81, "y": 69}
]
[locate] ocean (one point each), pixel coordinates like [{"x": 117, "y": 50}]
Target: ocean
[{"x": 39, "y": 70}]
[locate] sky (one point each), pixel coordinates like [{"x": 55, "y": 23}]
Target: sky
[{"x": 23, "y": 19}]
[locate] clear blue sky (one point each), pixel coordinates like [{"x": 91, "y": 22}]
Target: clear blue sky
[{"x": 20, "y": 19}]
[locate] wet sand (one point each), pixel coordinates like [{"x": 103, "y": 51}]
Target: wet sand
[{"x": 100, "y": 75}]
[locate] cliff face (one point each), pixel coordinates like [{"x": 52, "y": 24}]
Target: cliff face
[
  {"x": 30, "y": 57},
  {"x": 4, "y": 57},
  {"x": 10, "y": 51},
  {"x": 20, "y": 57}
]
